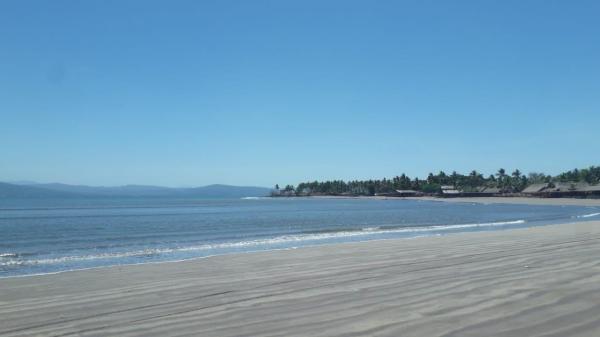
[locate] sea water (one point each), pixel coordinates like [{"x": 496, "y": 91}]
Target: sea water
[{"x": 51, "y": 235}]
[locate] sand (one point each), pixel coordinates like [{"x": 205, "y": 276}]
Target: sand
[
  {"x": 485, "y": 200},
  {"x": 542, "y": 281},
  {"x": 516, "y": 200}
]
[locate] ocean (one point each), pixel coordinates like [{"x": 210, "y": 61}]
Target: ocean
[{"x": 51, "y": 235}]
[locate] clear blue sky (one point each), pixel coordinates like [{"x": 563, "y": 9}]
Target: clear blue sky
[{"x": 184, "y": 93}]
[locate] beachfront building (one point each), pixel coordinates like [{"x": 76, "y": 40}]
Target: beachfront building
[
  {"x": 591, "y": 190},
  {"x": 535, "y": 188},
  {"x": 562, "y": 189},
  {"x": 400, "y": 193},
  {"x": 490, "y": 190},
  {"x": 449, "y": 191},
  {"x": 484, "y": 191},
  {"x": 408, "y": 193}
]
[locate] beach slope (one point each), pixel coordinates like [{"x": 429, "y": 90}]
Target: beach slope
[{"x": 542, "y": 281}]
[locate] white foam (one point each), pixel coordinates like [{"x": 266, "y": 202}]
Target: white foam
[
  {"x": 588, "y": 215},
  {"x": 279, "y": 240},
  {"x": 8, "y": 255}
]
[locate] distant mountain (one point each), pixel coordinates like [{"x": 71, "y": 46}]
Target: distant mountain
[
  {"x": 37, "y": 190},
  {"x": 21, "y": 191},
  {"x": 116, "y": 191},
  {"x": 22, "y": 182}
]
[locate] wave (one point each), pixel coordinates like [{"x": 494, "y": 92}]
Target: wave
[
  {"x": 587, "y": 215},
  {"x": 9, "y": 255},
  {"x": 267, "y": 243}
]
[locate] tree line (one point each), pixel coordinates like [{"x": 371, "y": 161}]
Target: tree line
[{"x": 502, "y": 180}]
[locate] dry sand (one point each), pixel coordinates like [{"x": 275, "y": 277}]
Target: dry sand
[
  {"x": 516, "y": 200},
  {"x": 485, "y": 200},
  {"x": 542, "y": 281}
]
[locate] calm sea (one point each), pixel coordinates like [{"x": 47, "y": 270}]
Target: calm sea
[{"x": 45, "y": 236}]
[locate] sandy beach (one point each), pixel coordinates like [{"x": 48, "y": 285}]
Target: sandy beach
[
  {"x": 542, "y": 281},
  {"x": 486, "y": 200},
  {"x": 517, "y": 200}
]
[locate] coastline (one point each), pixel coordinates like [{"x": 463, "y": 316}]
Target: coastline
[
  {"x": 519, "y": 201},
  {"x": 533, "y": 281},
  {"x": 484, "y": 200},
  {"x": 383, "y": 220}
]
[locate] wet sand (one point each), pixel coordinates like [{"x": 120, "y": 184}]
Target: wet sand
[{"x": 542, "y": 281}]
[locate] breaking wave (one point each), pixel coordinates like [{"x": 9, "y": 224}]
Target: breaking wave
[
  {"x": 11, "y": 259},
  {"x": 8, "y": 255},
  {"x": 587, "y": 215}
]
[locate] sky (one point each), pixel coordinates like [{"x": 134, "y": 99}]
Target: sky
[{"x": 189, "y": 93}]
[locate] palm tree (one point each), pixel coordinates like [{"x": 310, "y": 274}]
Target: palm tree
[
  {"x": 430, "y": 178},
  {"x": 501, "y": 177},
  {"x": 454, "y": 178},
  {"x": 516, "y": 180},
  {"x": 473, "y": 179}
]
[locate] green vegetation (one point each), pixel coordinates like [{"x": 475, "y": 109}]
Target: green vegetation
[
  {"x": 472, "y": 182},
  {"x": 589, "y": 175}
]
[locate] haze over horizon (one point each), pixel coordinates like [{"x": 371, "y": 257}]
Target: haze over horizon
[
  {"x": 281, "y": 184},
  {"x": 197, "y": 93},
  {"x": 33, "y": 183}
]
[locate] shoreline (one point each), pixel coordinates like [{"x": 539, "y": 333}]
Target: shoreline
[
  {"x": 518, "y": 201},
  {"x": 481, "y": 200},
  {"x": 430, "y": 286},
  {"x": 264, "y": 251},
  {"x": 472, "y": 200}
]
